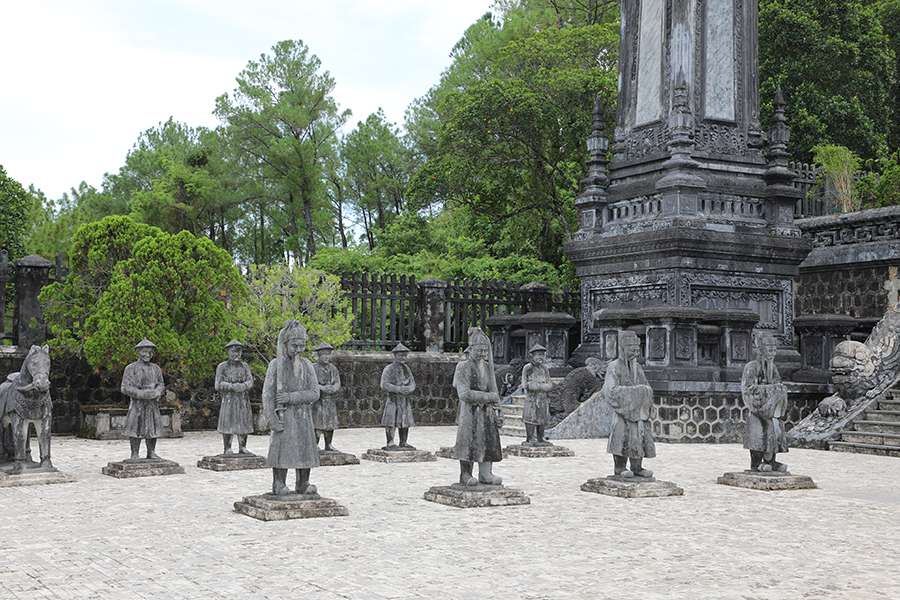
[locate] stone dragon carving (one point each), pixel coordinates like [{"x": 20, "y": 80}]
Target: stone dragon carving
[{"x": 861, "y": 374}]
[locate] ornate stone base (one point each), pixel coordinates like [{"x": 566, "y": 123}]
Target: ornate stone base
[
  {"x": 446, "y": 452},
  {"x": 478, "y": 496},
  {"x": 399, "y": 455},
  {"x": 267, "y": 507},
  {"x": 769, "y": 482},
  {"x": 548, "y": 451},
  {"x": 34, "y": 476},
  {"x": 126, "y": 469},
  {"x": 632, "y": 487},
  {"x": 336, "y": 458},
  {"x": 232, "y": 462}
]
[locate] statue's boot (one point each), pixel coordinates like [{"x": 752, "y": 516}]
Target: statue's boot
[
  {"x": 778, "y": 467},
  {"x": 389, "y": 438},
  {"x": 638, "y": 470},
  {"x": 151, "y": 449},
  {"x": 540, "y": 436},
  {"x": 303, "y": 484},
  {"x": 404, "y": 436},
  {"x": 529, "y": 435},
  {"x": 620, "y": 466},
  {"x": 44, "y": 442},
  {"x": 329, "y": 437},
  {"x": 756, "y": 459},
  {"x": 279, "y": 485},
  {"x": 765, "y": 468},
  {"x": 465, "y": 473},
  {"x": 242, "y": 444},
  {"x": 135, "y": 448},
  {"x": 486, "y": 475},
  {"x": 226, "y": 441}
]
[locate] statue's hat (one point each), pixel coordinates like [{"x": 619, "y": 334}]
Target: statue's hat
[
  {"x": 323, "y": 346},
  {"x": 234, "y": 343},
  {"x": 145, "y": 343},
  {"x": 537, "y": 348},
  {"x": 400, "y": 348}
]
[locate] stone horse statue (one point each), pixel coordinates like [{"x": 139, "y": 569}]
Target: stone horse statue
[{"x": 25, "y": 401}]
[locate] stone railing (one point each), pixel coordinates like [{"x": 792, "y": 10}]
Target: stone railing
[
  {"x": 874, "y": 225},
  {"x": 733, "y": 208},
  {"x": 637, "y": 209}
]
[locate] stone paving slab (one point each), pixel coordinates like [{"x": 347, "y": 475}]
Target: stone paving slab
[
  {"x": 232, "y": 462},
  {"x": 398, "y": 456},
  {"x": 178, "y": 538},
  {"x": 768, "y": 482}
]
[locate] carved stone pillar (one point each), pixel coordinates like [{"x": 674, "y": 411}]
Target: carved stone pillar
[{"x": 32, "y": 274}]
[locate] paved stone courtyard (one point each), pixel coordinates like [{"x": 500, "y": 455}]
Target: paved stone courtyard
[{"x": 176, "y": 537}]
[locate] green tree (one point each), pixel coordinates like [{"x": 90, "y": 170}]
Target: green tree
[
  {"x": 16, "y": 206},
  {"x": 837, "y": 68}
]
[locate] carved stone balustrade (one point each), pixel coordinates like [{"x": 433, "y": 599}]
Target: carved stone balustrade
[{"x": 819, "y": 334}]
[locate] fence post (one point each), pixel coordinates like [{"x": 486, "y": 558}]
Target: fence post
[
  {"x": 537, "y": 297},
  {"x": 32, "y": 274},
  {"x": 432, "y": 302}
]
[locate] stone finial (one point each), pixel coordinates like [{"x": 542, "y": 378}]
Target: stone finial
[
  {"x": 779, "y": 132},
  {"x": 593, "y": 195}
]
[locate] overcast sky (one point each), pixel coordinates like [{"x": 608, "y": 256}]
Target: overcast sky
[{"x": 81, "y": 79}]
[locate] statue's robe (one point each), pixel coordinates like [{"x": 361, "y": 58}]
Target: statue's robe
[
  {"x": 766, "y": 400},
  {"x": 325, "y": 410},
  {"x": 294, "y": 447},
  {"x": 234, "y": 382},
  {"x": 537, "y": 401},
  {"x": 631, "y": 397},
  {"x": 138, "y": 380},
  {"x": 477, "y": 434},
  {"x": 397, "y": 382}
]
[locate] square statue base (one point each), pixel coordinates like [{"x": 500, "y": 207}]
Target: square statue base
[
  {"x": 336, "y": 458},
  {"x": 400, "y": 455},
  {"x": 268, "y": 507},
  {"x": 126, "y": 469},
  {"x": 33, "y": 476},
  {"x": 446, "y": 452},
  {"x": 542, "y": 451},
  {"x": 477, "y": 496},
  {"x": 769, "y": 482},
  {"x": 232, "y": 462},
  {"x": 631, "y": 487}
]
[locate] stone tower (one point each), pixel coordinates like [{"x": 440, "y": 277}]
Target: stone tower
[{"x": 694, "y": 216}]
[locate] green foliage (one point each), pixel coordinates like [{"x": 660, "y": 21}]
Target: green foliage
[
  {"x": 277, "y": 294},
  {"x": 839, "y": 165},
  {"x": 837, "y": 68},
  {"x": 881, "y": 185},
  {"x": 15, "y": 206}
]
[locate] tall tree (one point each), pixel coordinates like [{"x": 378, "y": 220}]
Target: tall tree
[{"x": 16, "y": 206}]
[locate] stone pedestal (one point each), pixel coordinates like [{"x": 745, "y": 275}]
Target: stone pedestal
[
  {"x": 399, "y": 455},
  {"x": 33, "y": 476},
  {"x": 446, "y": 452},
  {"x": 126, "y": 469},
  {"x": 769, "y": 482},
  {"x": 268, "y": 507},
  {"x": 232, "y": 462},
  {"x": 107, "y": 422},
  {"x": 631, "y": 487},
  {"x": 336, "y": 458},
  {"x": 543, "y": 451},
  {"x": 478, "y": 496}
]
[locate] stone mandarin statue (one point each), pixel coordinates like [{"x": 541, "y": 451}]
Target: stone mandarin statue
[
  {"x": 537, "y": 384},
  {"x": 234, "y": 382},
  {"x": 398, "y": 383},
  {"x": 631, "y": 397},
  {"x": 290, "y": 390},
  {"x": 766, "y": 398},
  {"x": 143, "y": 383},
  {"x": 478, "y": 432},
  {"x": 325, "y": 410}
]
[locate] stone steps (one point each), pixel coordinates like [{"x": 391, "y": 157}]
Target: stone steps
[
  {"x": 877, "y": 432},
  {"x": 875, "y": 449},
  {"x": 867, "y": 426},
  {"x": 883, "y": 415},
  {"x": 875, "y": 438},
  {"x": 513, "y": 425},
  {"x": 890, "y": 405}
]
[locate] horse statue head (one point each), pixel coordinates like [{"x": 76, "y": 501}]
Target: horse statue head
[{"x": 34, "y": 377}]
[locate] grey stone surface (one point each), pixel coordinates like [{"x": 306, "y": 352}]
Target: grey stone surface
[
  {"x": 325, "y": 415},
  {"x": 127, "y": 469},
  {"x": 650, "y": 52},
  {"x": 399, "y": 455},
  {"x": 336, "y": 458},
  {"x": 34, "y": 477},
  {"x": 638, "y": 487},
  {"x": 143, "y": 384},
  {"x": 232, "y": 462},
  {"x": 592, "y": 419},
  {"x": 720, "y": 66},
  {"x": 397, "y": 383},
  {"x": 478, "y": 496},
  {"x": 233, "y": 382},
  {"x": 26, "y": 405},
  {"x": 542, "y": 451},
  {"x": 446, "y": 452},
  {"x": 765, "y": 397},
  {"x": 770, "y": 482},
  {"x": 269, "y": 507}
]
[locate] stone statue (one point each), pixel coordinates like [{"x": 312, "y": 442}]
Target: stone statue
[
  {"x": 143, "y": 383},
  {"x": 478, "y": 433},
  {"x": 325, "y": 417},
  {"x": 766, "y": 398},
  {"x": 24, "y": 403},
  {"x": 234, "y": 382},
  {"x": 290, "y": 390},
  {"x": 398, "y": 383},
  {"x": 537, "y": 384},
  {"x": 861, "y": 374},
  {"x": 576, "y": 388},
  {"x": 631, "y": 397}
]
